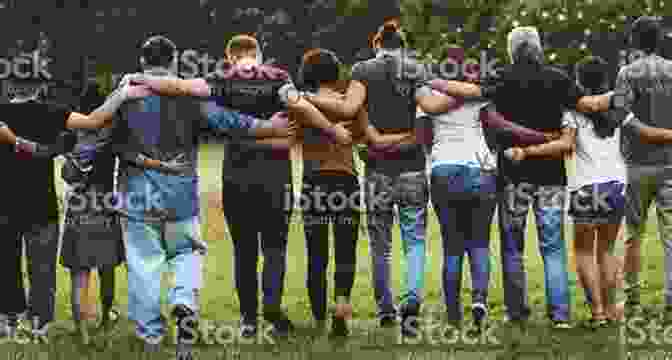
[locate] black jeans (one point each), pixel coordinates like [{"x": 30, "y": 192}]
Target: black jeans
[
  {"x": 340, "y": 198},
  {"x": 258, "y": 214},
  {"x": 41, "y": 242}
]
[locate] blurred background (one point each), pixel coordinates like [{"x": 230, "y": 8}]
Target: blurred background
[{"x": 93, "y": 42}]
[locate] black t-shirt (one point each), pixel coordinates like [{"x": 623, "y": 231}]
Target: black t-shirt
[
  {"x": 391, "y": 82},
  {"x": 28, "y": 185},
  {"x": 536, "y": 99},
  {"x": 255, "y": 91}
]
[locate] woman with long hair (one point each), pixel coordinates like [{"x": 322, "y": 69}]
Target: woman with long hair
[{"x": 600, "y": 174}]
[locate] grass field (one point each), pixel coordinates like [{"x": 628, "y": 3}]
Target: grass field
[{"x": 220, "y": 303}]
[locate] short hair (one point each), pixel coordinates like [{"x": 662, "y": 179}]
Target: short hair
[
  {"x": 646, "y": 33},
  {"x": 241, "y": 43},
  {"x": 389, "y": 37},
  {"x": 319, "y": 65},
  {"x": 592, "y": 73},
  {"x": 159, "y": 51}
]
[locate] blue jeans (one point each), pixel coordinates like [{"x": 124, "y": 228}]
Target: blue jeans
[
  {"x": 548, "y": 203},
  {"x": 464, "y": 200},
  {"x": 150, "y": 248},
  {"x": 409, "y": 191}
]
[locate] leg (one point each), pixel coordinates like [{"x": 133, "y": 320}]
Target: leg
[
  {"x": 316, "y": 230},
  {"x": 244, "y": 235},
  {"x": 453, "y": 242},
  {"x": 145, "y": 259},
  {"x": 606, "y": 237},
  {"x": 380, "y": 219},
  {"x": 79, "y": 280},
  {"x": 42, "y": 249},
  {"x": 586, "y": 266},
  {"x": 274, "y": 248},
  {"x": 549, "y": 211},
  {"x": 107, "y": 290},
  {"x": 639, "y": 194},
  {"x": 478, "y": 248},
  {"x": 346, "y": 233},
  {"x": 11, "y": 253},
  {"x": 664, "y": 212},
  {"x": 512, "y": 212},
  {"x": 180, "y": 237}
]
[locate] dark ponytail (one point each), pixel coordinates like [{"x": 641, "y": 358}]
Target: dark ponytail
[{"x": 592, "y": 76}]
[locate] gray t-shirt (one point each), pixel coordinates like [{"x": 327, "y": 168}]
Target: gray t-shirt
[
  {"x": 645, "y": 89},
  {"x": 391, "y": 80}
]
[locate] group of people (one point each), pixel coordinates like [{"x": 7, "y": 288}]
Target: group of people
[{"x": 491, "y": 145}]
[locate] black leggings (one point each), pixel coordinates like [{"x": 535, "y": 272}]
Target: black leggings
[
  {"x": 323, "y": 203},
  {"x": 258, "y": 213}
]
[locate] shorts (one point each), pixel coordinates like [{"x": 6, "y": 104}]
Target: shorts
[{"x": 601, "y": 203}]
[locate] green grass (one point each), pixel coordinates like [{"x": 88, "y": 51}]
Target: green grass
[{"x": 220, "y": 303}]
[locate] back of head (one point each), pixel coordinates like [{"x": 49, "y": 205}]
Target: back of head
[
  {"x": 592, "y": 74},
  {"x": 646, "y": 34},
  {"x": 319, "y": 66},
  {"x": 524, "y": 47},
  {"x": 159, "y": 51},
  {"x": 244, "y": 46},
  {"x": 389, "y": 37}
]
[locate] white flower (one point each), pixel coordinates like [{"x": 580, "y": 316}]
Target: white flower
[
  {"x": 523, "y": 13},
  {"x": 579, "y": 14},
  {"x": 583, "y": 46},
  {"x": 587, "y": 32},
  {"x": 544, "y": 14},
  {"x": 562, "y": 17},
  {"x": 515, "y": 23},
  {"x": 553, "y": 56}
]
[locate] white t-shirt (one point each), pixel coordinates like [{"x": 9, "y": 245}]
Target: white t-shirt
[
  {"x": 459, "y": 138},
  {"x": 597, "y": 160}
]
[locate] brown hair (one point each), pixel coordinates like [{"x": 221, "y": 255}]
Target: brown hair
[{"x": 241, "y": 44}]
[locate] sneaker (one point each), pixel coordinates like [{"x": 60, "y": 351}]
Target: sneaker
[
  {"x": 248, "y": 328},
  {"x": 561, "y": 325},
  {"x": 479, "y": 312},
  {"x": 187, "y": 324},
  {"x": 282, "y": 326},
  {"x": 410, "y": 325},
  {"x": 388, "y": 320}
]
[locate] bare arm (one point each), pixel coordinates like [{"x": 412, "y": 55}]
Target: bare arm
[
  {"x": 7, "y": 136},
  {"x": 172, "y": 86},
  {"x": 648, "y": 134},
  {"x": 594, "y": 103},
  {"x": 456, "y": 88},
  {"x": 347, "y": 107},
  {"x": 436, "y": 103},
  {"x": 556, "y": 148},
  {"x": 104, "y": 114}
]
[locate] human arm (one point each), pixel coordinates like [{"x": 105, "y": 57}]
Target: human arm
[
  {"x": 560, "y": 147},
  {"x": 512, "y": 132},
  {"x": 346, "y": 107},
  {"x": 103, "y": 115},
  {"x": 436, "y": 103},
  {"x": 648, "y": 134}
]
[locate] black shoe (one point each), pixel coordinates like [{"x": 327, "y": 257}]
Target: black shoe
[
  {"x": 187, "y": 324},
  {"x": 248, "y": 328},
  {"x": 339, "y": 327},
  {"x": 282, "y": 326},
  {"x": 388, "y": 320},
  {"x": 410, "y": 326},
  {"x": 479, "y": 313}
]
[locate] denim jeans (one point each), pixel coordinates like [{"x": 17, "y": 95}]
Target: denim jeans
[
  {"x": 548, "y": 203},
  {"x": 150, "y": 248},
  {"x": 464, "y": 200},
  {"x": 409, "y": 191}
]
